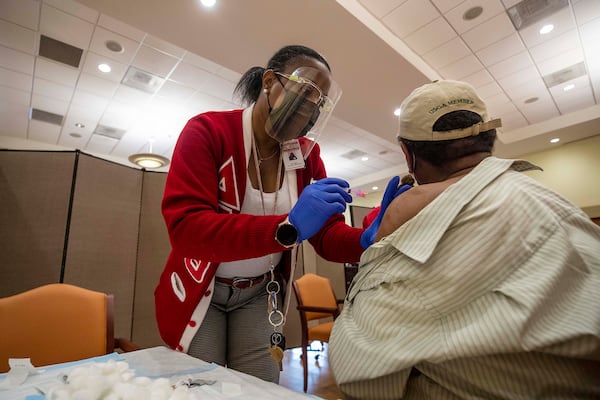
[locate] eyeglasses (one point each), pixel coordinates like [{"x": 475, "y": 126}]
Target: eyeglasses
[{"x": 309, "y": 90}]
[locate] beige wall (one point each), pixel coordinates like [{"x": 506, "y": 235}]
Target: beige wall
[{"x": 573, "y": 170}]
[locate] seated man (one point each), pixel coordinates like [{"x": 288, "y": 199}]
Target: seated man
[{"x": 483, "y": 283}]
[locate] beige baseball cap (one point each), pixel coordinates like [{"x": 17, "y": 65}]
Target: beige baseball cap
[{"x": 426, "y": 104}]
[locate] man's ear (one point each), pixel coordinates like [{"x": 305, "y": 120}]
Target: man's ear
[{"x": 408, "y": 156}]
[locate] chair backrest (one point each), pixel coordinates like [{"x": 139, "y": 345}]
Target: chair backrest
[
  {"x": 55, "y": 323},
  {"x": 315, "y": 291}
]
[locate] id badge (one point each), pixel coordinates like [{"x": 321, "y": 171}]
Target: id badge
[{"x": 292, "y": 155}]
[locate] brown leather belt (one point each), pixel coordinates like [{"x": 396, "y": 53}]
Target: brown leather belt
[{"x": 242, "y": 283}]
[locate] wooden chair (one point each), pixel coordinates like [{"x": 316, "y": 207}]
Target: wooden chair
[
  {"x": 316, "y": 300},
  {"x": 57, "y": 323}
]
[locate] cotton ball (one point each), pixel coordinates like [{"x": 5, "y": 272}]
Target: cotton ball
[
  {"x": 181, "y": 393},
  {"x": 86, "y": 394},
  {"x": 142, "y": 381}
]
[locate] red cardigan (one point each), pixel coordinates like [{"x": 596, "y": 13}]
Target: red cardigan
[{"x": 201, "y": 206}]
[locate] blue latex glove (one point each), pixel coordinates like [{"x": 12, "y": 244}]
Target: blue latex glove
[
  {"x": 391, "y": 192},
  {"x": 317, "y": 203}
]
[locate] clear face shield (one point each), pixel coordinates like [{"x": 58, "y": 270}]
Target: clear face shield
[{"x": 303, "y": 107}]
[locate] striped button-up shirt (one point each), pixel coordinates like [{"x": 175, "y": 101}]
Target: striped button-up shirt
[{"x": 490, "y": 291}]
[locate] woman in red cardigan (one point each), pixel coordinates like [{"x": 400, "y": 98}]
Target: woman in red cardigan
[{"x": 239, "y": 198}]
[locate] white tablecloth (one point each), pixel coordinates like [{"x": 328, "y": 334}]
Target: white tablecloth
[{"x": 161, "y": 362}]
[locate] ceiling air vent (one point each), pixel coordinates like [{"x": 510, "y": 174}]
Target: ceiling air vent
[
  {"x": 142, "y": 80},
  {"x": 60, "y": 51},
  {"x": 351, "y": 155},
  {"x": 528, "y": 12},
  {"x": 565, "y": 75},
  {"x": 109, "y": 131},
  {"x": 45, "y": 116}
]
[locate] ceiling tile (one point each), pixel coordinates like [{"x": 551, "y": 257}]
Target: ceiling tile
[
  {"x": 49, "y": 104},
  {"x": 154, "y": 61},
  {"x": 489, "y": 90},
  {"x": 410, "y": 16},
  {"x": 55, "y": 72},
  {"x": 175, "y": 92},
  {"x": 380, "y": 8},
  {"x": 219, "y": 87},
  {"x": 21, "y": 12},
  {"x": 92, "y": 60},
  {"x": 447, "y": 53},
  {"x": 189, "y": 75},
  {"x": 14, "y": 120},
  {"x": 510, "y": 3},
  {"x": 14, "y": 96},
  {"x": 88, "y": 105},
  {"x": 446, "y": 5},
  {"x": 501, "y": 50},
  {"x": 583, "y": 99},
  {"x": 430, "y": 36},
  {"x": 15, "y": 80},
  {"x": 43, "y": 132},
  {"x": 492, "y": 31},
  {"x": 119, "y": 27},
  {"x": 491, "y": 8},
  {"x": 96, "y": 85},
  {"x": 53, "y": 90},
  {"x": 561, "y": 61},
  {"x": 562, "y": 21},
  {"x": 511, "y": 65},
  {"x": 16, "y": 60},
  {"x": 461, "y": 68},
  {"x": 164, "y": 46},
  {"x": 101, "y": 144},
  {"x": 75, "y": 8},
  {"x": 479, "y": 78},
  {"x": 64, "y": 27},
  {"x": 129, "y": 96},
  {"x": 586, "y": 10},
  {"x": 66, "y": 140},
  {"x": 513, "y": 121},
  {"x": 541, "y": 110},
  {"x": 18, "y": 38},
  {"x": 582, "y": 86},
  {"x": 526, "y": 90},
  {"x": 554, "y": 47},
  {"x": 520, "y": 78},
  {"x": 102, "y": 36},
  {"x": 201, "y": 62},
  {"x": 497, "y": 100}
]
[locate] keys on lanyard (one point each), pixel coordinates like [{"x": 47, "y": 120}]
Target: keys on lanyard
[{"x": 277, "y": 339}]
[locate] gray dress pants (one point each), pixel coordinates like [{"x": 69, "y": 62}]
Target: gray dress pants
[{"x": 236, "y": 332}]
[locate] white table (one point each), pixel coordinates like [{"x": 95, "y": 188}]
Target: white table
[{"x": 161, "y": 362}]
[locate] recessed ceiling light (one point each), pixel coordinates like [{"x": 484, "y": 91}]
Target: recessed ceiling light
[
  {"x": 569, "y": 87},
  {"x": 555, "y": 140},
  {"x": 104, "y": 68},
  {"x": 397, "y": 111},
  {"x": 375, "y": 187},
  {"x": 75, "y": 135},
  {"x": 531, "y": 100},
  {"x": 208, "y": 3},
  {"x": 472, "y": 13},
  {"x": 365, "y": 158},
  {"x": 79, "y": 125},
  {"x": 546, "y": 29}
]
